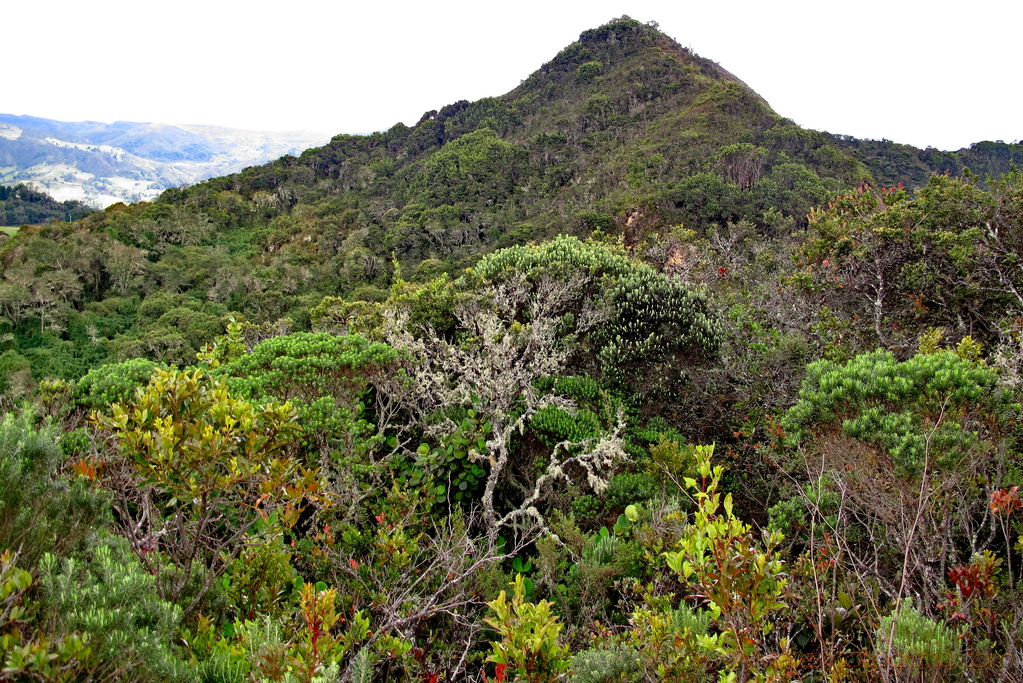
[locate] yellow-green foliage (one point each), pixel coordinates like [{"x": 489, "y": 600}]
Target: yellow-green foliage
[
  {"x": 529, "y": 633},
  {"x": 742, "y": 581},
  {"x": 210, "y": 466},
  {"x": 195, "y": 442},
  {"x": 927, "y": 404}
]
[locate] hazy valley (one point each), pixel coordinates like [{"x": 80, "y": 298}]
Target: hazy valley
[{"x": 101, "y": 164}]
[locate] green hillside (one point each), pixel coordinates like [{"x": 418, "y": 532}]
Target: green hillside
[
  {"x": 619, "y": 377},
  {"x": 21, "y": 205},
  {"x": 622, "y": 126},
  {"x": 891, "y": 163},
  {"x": 623, "y": 132}
]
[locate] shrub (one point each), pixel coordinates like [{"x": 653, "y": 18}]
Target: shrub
[
  {"x": 529, "y": 638},
  {"x": 614, "y": 664},
  {"x": 588, "y": 71},
  {"x": 109, "y": 596},
  {"x": 40, "y": 511},
  {"x": 113, "y": 383},
  {"x": 911, "y": 647}
]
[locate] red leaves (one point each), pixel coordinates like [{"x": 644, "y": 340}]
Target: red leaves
[
  {"x": 1006, "y": 501},
  {"x": 499, "y": 675},
  {"x": 826, "y": 559},
  {"x": 972, "y": 579}
]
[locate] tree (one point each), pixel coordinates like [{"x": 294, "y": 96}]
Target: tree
[
  {"x": 494, "y": 367},
  {"x": 328, "y": 378},
  {"x": 196, "y": 468},
  {"x": 742, "y": 163},
  {"x": 616, "y": 314},
  {"x": 949, "y": 257}
]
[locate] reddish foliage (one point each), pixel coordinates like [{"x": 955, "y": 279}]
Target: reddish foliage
[{"x": 1006, "y": 501}]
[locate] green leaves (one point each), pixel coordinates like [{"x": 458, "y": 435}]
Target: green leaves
[
  {"x": 654, "y": 324},
  {"x": 904, "y": 408},
  {"x": 477, "y": 166},
  {"x": 529, "y": 637},
  {"x": 522, "y": 567},
  {"x": 325, "y": 377},
  {"x": 741, "y": 580},
  {"x": 211, "y": 464},
  {"x": 454, "y": 464}
]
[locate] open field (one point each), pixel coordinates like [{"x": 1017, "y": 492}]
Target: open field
[{"x": 9, "y": 229}]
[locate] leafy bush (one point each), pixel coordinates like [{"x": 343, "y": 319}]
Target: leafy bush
[
  {"x": 742, "y": 581},
  {"x": 26, "y": 652},
  {"x": 112, "y": 383},
  {"x": 911, "y": 647},
  {"x": 924, "y": 405},
  {"x": 653, "y": 319},
  {"x": 634, "y": 325},
  {"x": 325, "y": 377},
  {"x": 615, "y": 664},
  {"x": 588, "y": 71},
  {"x": 529, "y": 638},
  {"x": 110, "y": 596},
  {"x": 207, "y": 466},
  {"x": 39, "y": 511}
]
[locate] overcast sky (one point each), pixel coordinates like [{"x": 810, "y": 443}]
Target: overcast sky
[{"x": 928, "y": 73}]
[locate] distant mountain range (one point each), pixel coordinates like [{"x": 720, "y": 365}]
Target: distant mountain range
[{"x": 105, "y": 163}]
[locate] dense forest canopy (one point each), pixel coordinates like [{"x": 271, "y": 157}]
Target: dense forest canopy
[{"x": 620, "y": 376}]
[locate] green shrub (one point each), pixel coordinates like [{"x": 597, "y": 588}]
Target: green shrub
[
  {"x": 932, "y": 402},
  {"x": 108, "y": 595},
  {"x": 40, "y": 511},
  {"x": 324, "y": 376},
  {"x": 615, "y": 664},
  {"x": 113, "y": 383},
  {"x": 629, "y": 488},
  {"x": 588, "y": 71},
  {"x": 920, "y": 649},
  {"x": 529, "y": 633}
]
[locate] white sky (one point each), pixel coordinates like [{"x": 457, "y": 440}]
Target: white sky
[{"x": 925, "y": 72}]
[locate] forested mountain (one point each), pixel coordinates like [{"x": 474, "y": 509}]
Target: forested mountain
[
  {"x": 103, "y": 163},
  {"x": 623, "y": 122},
  {"x": 620, "y": 376},
  {"x": 891, "y": 163},
  {"x": 20, "y": 205},
  {"x": 622, "y": 132}
]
